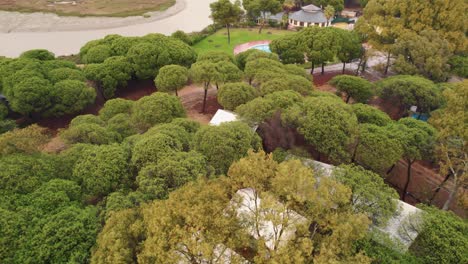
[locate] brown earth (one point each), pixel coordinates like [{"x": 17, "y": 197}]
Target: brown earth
[{"x": 191, "y": 97}]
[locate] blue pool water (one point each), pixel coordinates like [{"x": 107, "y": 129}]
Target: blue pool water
[{"x": 262, "y": 47}]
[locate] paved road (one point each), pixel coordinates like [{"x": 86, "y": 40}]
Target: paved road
[{"x": 194, "y": 17}]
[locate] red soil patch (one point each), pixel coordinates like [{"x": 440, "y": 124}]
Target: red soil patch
[
  {"x": 320, "y": 79},
  {"x": 424, "y": 181},
  {"x": 191, "y": 97}
]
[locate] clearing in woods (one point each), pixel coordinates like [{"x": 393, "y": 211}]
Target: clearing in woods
[{"x": 115, "y": 8}]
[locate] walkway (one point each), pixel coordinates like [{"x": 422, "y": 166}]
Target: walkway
[{"x": 67, "y": 38}]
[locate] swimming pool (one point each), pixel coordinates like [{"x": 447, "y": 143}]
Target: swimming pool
[{"x": 262, "y": 47}]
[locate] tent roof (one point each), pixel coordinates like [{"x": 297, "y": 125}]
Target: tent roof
[
  {"x": 310, "y": 17},
  {"x": 223, "y": 116}
]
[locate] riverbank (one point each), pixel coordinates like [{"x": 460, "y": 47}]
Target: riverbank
[
  {"x": 49, "y": 22},
  {"x": 61, "y": 40}
]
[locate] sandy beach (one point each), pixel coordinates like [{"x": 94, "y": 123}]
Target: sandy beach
[{"x": 66, "y": 35}]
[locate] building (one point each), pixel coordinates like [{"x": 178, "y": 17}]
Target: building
[{"x": 309, "y": 15}]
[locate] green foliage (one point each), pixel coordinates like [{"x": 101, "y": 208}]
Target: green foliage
[
  {"x": 61, "y": 74},
  {"x": 70, "y": 96},
  {"x": 312, "y": 119},
  {"x": 252, "y": 54},
  {"x": 22, "y": 173},
  {"x": 155, "y": 109},
  {"x": 224, "y": 144},
  {"x": 30, "y": 96},
  {"x": 232, "y": 95},
  {"x": 152, "y": 148},
  {"x": 97, "y": 54},
  {"x": 171, "y": 78},
  {"x": 170, "y": 173},
  {"x": 184, "y": 37},
  {"x": 102, "y": 169},
  {"x": 225, "y": 12},
  {"x": 3, "y": 111},
  {"x": 215, "y": 57},
  {"x": 122, "y": 125},
  {"x": 114, "y": 107},
  {"x": 371, "y": 195},
  {"x": 367, "y": 114},
  {"x": 86, "y": 119},
  {"x": 7, "y": 125},
  {"x": 459, "y": 65},
  {"x": 376, "y": 148},
  {"x": 89, "y": 133},
  {"x": 408, "y": 90},
  {"x": 442, "y": 239},
  {"x": 382, "y": 253},
  {"x": 190, "y": 126},
  {"x": 176, "y": 132},
  {"x": 354, "y": 87},
  {"x": 114, "y": 72},
  {"x": 38, "y": 54},
  {"x": 424, "y": 53}
]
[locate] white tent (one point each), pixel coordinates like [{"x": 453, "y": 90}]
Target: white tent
[{"x": 223, "y": 116}]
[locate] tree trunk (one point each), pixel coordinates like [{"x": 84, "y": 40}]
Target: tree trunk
[
  {"x": 408, "y": 179},
  {"x": 261, "y": 25},
  {"x": 344, "y": 66},
  {"x": 391, "y": 169},
  {"x": 358, "y": 66},
  {"x": 452, "y": 195},
  {"x": 229, "y": 34},
  {"x": 204, "y": 98},
  {"x": 312, "y": 71},
  {"x": 323, "y": 68},
  {"x": 176, "y": 94},
  {"x": 347, "y": 98},
  {"x": 437, "y": 190},
  {"x": 388, "y": 63},
  {"x": 353, "y": 158}
]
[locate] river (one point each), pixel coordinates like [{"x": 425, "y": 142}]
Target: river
[{"x": 194, "y": 17}]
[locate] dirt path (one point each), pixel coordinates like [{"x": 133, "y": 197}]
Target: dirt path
[{"x": 192, "y": 98}]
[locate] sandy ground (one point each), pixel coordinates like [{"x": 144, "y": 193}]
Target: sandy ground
[
  {"x": 66, "y": 35},
  {"x": 40, "y": 22}
]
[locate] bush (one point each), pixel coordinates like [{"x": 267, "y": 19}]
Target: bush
[
  {"x": 232, "y": 95},
  {"x": 179, "y": 34}
]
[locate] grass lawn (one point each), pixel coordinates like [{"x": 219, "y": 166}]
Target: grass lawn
[
  {"x": 113, "y": 8},
  {"x": 219, "y": 41}
]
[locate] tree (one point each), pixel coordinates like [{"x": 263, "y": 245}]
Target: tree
[
  {"x": 171, "y": 78},
  {"x": 225, "y": 143},
  {"x": 61, "y": 74},
  {"x": 70, "y": 96},
  {"x": 260, "y": 8},
  {"x": 114, "y": 107},
  {"x": 226, "y": 13},
  {"x": 407, "y": 90},
  {"x": 64, "y": 237},
  {"x": 227, "y": 72},
  {"x": 177, "y": 132},
  {"x": 118, "y": 240},
  {"x": 102, "y": 169},
  {"x": 171, "y": 172},
  {"x": 109, "y": 75},
  {"x": 152, "y": 148},
  {"x": 329, "y": 12},
  {"x": 30, "y": 96},
  {"x": 313, "y": 118},
  {"x": 97, "y": 54},
  {"x": 122, "y": 125},
  {"x": 367, "y": 114},
  {"x": 458, "y": 65},
  {"x": 371, "y": 195},
  {"x": 26, "y": 140},
  {"x": 350, "y": 47},
  {"x": 417, "y": 139},
  {"x": 155, "y": 109},
  {"x": 204, "y": 72},
  {"x": 376, "y": 149},
  {"x": 354, "y": 87},
  {"x": 215, "y": 57},
  {"x": 251, "y": 54},
  {"x": 452, "y": 138},
  {"x": 232, "y": 95},
  {"x": 89, "y": 133},
  {"x": 442, "y": 238},
  {"x": 256, "y": 110},
  {"x": 181, "y": 35},
  {"x": 338, "y": 5},
  {"x": 87, "y": 119},
  {"x": 424, "y": 53},
  {"x": 38, "y": 54}
]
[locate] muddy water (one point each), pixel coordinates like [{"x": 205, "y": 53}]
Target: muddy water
[{"x": 194, "y": 17}]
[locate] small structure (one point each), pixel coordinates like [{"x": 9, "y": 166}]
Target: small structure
[
  {"x": 223, "y": 116},
  {"x": 309, "y": 15}
]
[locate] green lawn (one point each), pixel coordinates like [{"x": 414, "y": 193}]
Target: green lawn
[{"x": 219, "y": 42}]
